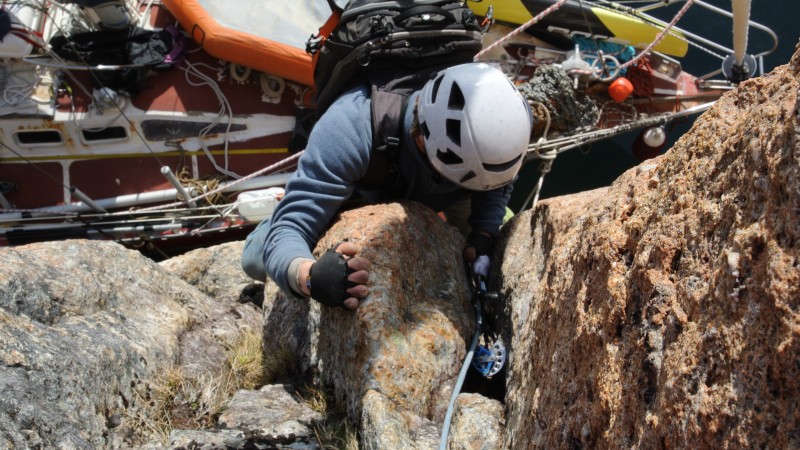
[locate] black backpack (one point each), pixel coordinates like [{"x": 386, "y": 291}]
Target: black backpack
[
  {"x": 136, "y": 50},
  {"x": 395, "y": 47}
]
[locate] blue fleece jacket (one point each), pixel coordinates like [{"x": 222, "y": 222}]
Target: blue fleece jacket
[{"x": 335, "y": 159}]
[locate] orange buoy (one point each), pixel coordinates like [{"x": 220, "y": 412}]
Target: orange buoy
[{"x": 620, "y": 89}]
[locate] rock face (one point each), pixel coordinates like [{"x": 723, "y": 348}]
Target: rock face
[
  {"x": 85, "y": 330},
  {"x": 216, "y": 272},
  {"x": 394, "y": 361},
  {"x": 661, "y": 312},
  {"x": 664, "y": 311},
  {"x": 478, "y": 424},
  {"x": 288, "y": 421},
  {"x": 267, "y": 418},
  {"x": 81, "y": 330},
  {"x": 89, "y": 327}
]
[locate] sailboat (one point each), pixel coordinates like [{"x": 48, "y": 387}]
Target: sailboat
[{"x": 167, "y": 124}]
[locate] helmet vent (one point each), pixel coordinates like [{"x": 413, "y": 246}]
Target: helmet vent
[
  {"x": 501, "y": 167},
  {"x": 435, "y": 90},
  {"x": 456, "y": 100},
  {"x": 425, "y": 131},
  {"x": 468, "y": 176},
  {"x": 449, "y": 157},
  {"x": 454, "y": 131}
]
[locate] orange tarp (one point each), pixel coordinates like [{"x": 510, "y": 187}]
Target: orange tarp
[{"x": 241, "y": 47}]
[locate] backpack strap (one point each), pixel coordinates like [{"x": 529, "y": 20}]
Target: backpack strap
[
  {"x": 388, "y": 111},
  {"x": 390, "y": 89}
]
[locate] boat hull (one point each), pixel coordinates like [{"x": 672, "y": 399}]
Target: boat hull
[
  {"x": 578, "y": 18},
  {"x": 166, "y": 165}
]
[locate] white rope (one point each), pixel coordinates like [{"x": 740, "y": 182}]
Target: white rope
[
  {"x": 547, "y": 157},
  {"x": 741, "y": 21},
  {"x": 225, "y": 110},
  {"x": 145, "y": 15},
  {"x": 544, "y": 169},
  {"x": 16, "y": 88},
  {"x": 521, "y": 28}
]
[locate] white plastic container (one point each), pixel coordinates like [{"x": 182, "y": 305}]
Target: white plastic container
[
  {"x": 111, "y": 14},
  {"x": 12, "y": 45},
  {"x": 256, "y": 206}
]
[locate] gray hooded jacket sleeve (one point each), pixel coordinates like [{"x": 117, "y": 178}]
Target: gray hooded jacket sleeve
[{"x": 337, "y": 155}]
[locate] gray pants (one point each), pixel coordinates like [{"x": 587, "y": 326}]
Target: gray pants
[{"x": 253, "y": 253}]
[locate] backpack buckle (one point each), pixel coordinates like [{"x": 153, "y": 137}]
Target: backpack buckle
[
  {"x": 364, "y": 58},
  {"x": 392, "y": 144},
  {"x": 314, "y": 43},
  {"x": 380, "y": 25}
]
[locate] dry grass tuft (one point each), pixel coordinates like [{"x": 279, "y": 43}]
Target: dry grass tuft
[
  {"x": 178, "y": 401},
  {"x": 335, "y": 432},
  {"x": 151, "y": 419},
  {"x": 281, "y": 363},
  {"x": 246, "y": 366}
]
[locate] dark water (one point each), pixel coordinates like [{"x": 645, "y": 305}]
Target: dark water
[{"x": 599, "y": 164}]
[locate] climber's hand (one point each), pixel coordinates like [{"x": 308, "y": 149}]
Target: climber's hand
[
  {"x": 339, "y": 277},
  {"x": 478, "y": 252}
]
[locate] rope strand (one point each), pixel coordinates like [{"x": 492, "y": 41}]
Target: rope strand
[
  {"x": 273, "y": 167},
  {"x": 521, "y": 28},
  {"x": 659, "y": 37}
]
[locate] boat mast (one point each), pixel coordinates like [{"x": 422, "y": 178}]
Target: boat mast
[{"x": 740, "y": 66}]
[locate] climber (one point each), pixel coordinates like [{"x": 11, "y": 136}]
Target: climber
[{"x": 465, "y": 134}]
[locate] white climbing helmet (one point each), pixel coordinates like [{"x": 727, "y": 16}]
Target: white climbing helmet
[{"x": 476, "y": 126}]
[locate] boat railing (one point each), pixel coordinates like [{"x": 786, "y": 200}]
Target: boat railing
[{"x": 700, "y": 42}]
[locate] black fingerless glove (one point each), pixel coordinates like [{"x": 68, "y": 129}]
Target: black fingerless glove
[
  {"x": 328, "y": 281},
  {"x": 484, "y": 245}
]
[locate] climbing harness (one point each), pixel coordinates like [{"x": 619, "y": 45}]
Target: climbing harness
[{"x": 488, "y": 360}]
